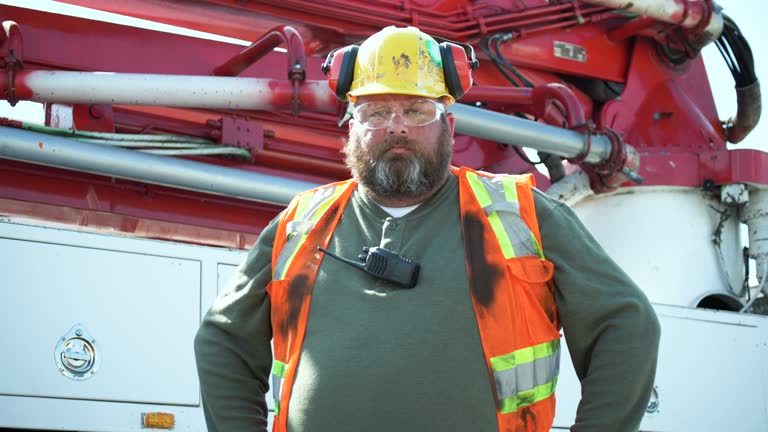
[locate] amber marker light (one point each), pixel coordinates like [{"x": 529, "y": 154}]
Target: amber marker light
[{"x": 158, "y": 420}]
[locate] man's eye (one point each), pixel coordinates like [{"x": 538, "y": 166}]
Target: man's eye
[
  {"x": 413, "y": 112},
  {"x": 379, "y": 114}
]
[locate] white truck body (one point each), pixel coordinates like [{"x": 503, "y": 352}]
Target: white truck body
[{"x": 141, "y": 300}]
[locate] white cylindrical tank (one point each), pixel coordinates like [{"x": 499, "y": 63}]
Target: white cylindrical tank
[{"x": 664, "y": 238}]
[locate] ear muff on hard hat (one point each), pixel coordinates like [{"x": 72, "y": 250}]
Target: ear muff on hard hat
[
  {"x": 401, "y": 61},
  {"x": 340, "y": 68},
  {"x": 457, "y": 68}
]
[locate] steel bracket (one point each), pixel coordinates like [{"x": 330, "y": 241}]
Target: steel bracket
[
  {"x": 11, "y": 58},
  {"x": 238, "y": 132}
]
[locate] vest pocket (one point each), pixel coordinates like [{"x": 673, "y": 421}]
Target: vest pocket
[
  {"x": 535, "y": 276},
  {"x": 528, "y": 375}
]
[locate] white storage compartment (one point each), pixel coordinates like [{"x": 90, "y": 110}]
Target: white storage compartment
[
  {"x": 99, "y": 329},
  {"x": 141, "y": 310},
  {"x": 710, "y": 362}
]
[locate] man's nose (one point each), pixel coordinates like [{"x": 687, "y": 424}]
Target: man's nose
[{"x": 397, "y": 125}]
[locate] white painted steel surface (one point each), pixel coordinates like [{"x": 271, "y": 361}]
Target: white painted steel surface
[
  {"x": 89, "y": 416},
  {"x": 142, "y": 310},
  {"x": 662, "y": 237},
  {"x": 711, "y": 375},
  {"x": 141, "y": 299},
  {"x": 707, "y": 358}
]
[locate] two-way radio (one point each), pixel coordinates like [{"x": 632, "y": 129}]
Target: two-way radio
[{"x": 385, "y": 265}]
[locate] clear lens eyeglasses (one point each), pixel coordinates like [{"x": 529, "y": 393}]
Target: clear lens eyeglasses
[{"x": 378, "y": 115}]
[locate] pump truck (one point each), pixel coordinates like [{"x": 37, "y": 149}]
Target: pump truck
[{"x": 163, "y": 151}]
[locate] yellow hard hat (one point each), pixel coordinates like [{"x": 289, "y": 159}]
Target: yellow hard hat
[{"x": 401, "y": 60}]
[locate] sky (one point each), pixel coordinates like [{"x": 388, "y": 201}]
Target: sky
[{"x": 748, "y": 14}]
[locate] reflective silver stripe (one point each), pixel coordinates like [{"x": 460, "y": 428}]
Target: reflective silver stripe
[
  {"x": 277, "y": 382},
  {"x": 318, "y": 198},
  {"x": 303, "y": 225},
  {"x": 507, "y": 206},
  {"x": 293, "y": 243},
  {"x": 520, "y": 236},
  {"x": 527, "y": 376}
]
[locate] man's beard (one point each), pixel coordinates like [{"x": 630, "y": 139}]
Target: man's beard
[{"x": 400, "y": 176}]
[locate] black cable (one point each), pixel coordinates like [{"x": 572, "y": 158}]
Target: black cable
[
  {"x": 491, "y": 47},
  {"x": 743, "y": 50},
  {"x": 726, "y": 53},
  {"x": 736, "y": 52},
  {"x": 487, "y": 50},
  {"x": 508, "y": 66}
]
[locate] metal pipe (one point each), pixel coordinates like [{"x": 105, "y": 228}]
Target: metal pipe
[
  {"x": 271, "y": 40},
  {"x": 536, "y": 101},
  {"x": 700, "y": 16},
  {"x": 188, "y": 91},
  {"x": 506, "y": 129},
  {"x": 65, "y": 153}
]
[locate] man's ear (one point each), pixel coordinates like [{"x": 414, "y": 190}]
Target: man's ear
[{"x": 451, "y": 122}]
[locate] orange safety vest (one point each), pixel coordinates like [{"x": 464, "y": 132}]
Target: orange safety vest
[{"x": 509, "y": 279}]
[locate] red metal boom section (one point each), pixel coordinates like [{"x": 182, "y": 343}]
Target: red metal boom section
[{"x": 607, "y": 75}]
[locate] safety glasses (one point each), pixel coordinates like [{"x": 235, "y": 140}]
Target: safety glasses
[{"x": 378, "y": 115}]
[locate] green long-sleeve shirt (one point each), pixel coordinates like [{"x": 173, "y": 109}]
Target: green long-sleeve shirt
[{"x": 380, "y": 358}]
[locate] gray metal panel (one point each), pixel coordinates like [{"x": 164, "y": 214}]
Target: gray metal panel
[
  {"x": 711, "y": 374},
  {"x": 141, "y": 299},
  {"x": 141, "y": 309}
]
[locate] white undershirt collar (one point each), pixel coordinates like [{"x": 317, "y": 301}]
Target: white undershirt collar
[{"x": 398, "y": 212}]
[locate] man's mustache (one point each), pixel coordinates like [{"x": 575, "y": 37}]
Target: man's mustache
[{"x": 391, "y": 142}]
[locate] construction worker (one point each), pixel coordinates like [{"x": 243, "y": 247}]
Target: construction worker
[{"x": 419, "y": 296}]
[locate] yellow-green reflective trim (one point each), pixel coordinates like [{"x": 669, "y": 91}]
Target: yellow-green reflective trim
[
  {"x": 483, "y": 198},
  {"x": 303, "y": 207},
  {"x": 324, "y": 206},
  {"x": 501, "y": 235},
  {"x": 510, "y": 193},
  {"x": 290, "y": 258},
  {"x": 524, "y": 355},
  {"x": 278, "y": 371},
  {"x": 278, "y": 368},
  {"x": 527, "y": 397},
  {"x": 510, "y": 188},
  {"x": 537, "y": 246}
]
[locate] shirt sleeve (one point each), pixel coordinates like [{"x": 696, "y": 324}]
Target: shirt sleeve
[
  {"x": 232, "y": 345},
  {"x": 610, "y": 326}
]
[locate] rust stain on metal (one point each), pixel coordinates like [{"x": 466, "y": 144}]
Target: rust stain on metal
[{"x": 40, "y": 145}]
